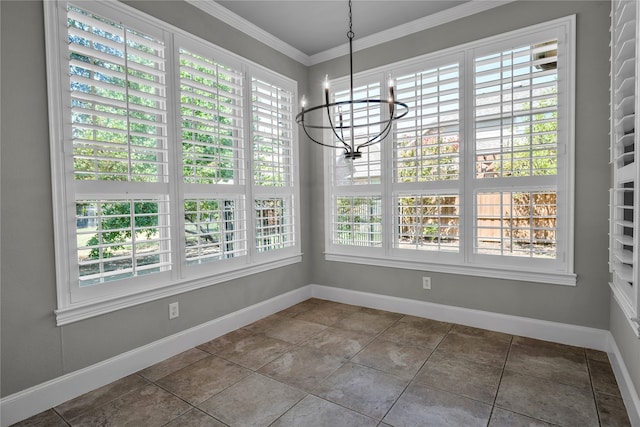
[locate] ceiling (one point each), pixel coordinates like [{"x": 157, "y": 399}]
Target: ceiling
[
  {"x": 313, "y": 31},
  {"x": 315, "y": 26}
]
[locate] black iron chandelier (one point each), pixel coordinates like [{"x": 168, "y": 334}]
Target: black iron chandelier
[{"x": 342, "y": 122}]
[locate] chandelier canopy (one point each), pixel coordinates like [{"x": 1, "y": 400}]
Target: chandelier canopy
[{"x": 342, "y": 116}]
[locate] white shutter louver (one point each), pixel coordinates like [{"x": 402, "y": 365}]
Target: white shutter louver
[
  {"x": 624, "y": 217},
  {"x": 118, "y": 109},
  {"x": 118, "y": 101},
  {"x": 516, "y": 100},
  {"x": 212, "y": 121},
  {"x": 368, "y": 168},
  {"x": 357, "y": 221},
  {"x": 212, "y": 128},
  {"x": 516, "y": 151},
  {"x": 427, "y": 139},
  {"x": 272, "y": 135},
  {"x": 426, "y": 156}
]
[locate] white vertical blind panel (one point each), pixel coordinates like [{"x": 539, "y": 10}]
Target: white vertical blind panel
[
  {"x": 212, "y": 120},
  {"x": 427, "y": 139},
  {"x": 118, "y": 100}
]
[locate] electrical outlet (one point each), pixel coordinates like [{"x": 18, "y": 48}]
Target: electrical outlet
[
  {"x": 174, "y": 310},
  {"x": 426, "y": 282}
]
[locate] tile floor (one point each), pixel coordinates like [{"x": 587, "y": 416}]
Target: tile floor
[{"x": 321, "y": 363}]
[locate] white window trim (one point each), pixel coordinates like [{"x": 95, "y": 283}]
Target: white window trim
[
  {"x": 179, "y": 281},
  {"x": 386, "y": 257}
]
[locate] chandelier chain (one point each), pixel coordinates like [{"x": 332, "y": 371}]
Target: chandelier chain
[
  {"x": 352, "y": 141},
  {"x": 350, "y": 34}
]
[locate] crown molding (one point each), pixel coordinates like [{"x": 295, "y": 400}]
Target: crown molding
[
  {"x": 225, "y": 15},
  {"x": 467, "y": 9}
]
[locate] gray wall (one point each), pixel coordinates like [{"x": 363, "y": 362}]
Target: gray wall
[
  {"x": 586, "y": 304},
  {"x": 34, "y": 350}
]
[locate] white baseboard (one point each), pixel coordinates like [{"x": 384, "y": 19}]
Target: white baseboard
[
  {"x": 628, "y": 391},
  {"x": 36, "y": 399},
  {"x": 580, "y": 336}
]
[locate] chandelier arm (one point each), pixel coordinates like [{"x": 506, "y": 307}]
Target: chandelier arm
[
  {"x": 299, "y": 118},
  {"x": 352, "y": 151},
  {"x": 385, "y": 132},
  {"x": 347, "y": 147},
  {"x": 382, "y": 134},
  {"x": 315, "y": 140}
]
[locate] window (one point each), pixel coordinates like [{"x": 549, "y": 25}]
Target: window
[
  {"x": 623, "y": 245},
  {"x": 172, "y": 160},
  {"x": 477, "y": 177}
]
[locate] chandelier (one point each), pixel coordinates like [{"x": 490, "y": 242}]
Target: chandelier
[{"x": 342, "y": 118}]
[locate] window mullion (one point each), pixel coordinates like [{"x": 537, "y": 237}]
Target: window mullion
[
  {"x": 387, "y": 175},
  {"x": 467, "y": 157},
  {"x": 174, "y": 150},
  {"x": 249, "y": 185}
]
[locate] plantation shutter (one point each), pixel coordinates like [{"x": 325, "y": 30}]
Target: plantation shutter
[
  {"x": 118, "y": 132},
  {"x": 272, "y": 137},
  {"x": 212, "y": 129},
  {"x": 516, "y": 151},
  {"x": 356, "y": 205},
  {"x": 516, "y": 100},
  {"x": 427, "y": 140},
  {"x": 426, "y": 155},
  {"x": 212, "y": 120},
  {"x": 623, "y": 251},
  {"x": 118, "y": 101},
  {"x": 367, "y": 169}
]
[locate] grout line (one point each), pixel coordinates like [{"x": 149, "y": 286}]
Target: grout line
[
  {"x": 504, "y": 366},
  {"x": 593, "y": 390}
]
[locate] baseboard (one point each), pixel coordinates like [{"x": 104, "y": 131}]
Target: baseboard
[
  {"x": 580, "y": 336},
  {"x": 627, "y": 389},
  {"x": 34, "y": 400}
]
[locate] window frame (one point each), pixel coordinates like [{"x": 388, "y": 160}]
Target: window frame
[
  {"x": 561, "y": 270},
  {"x": 75, "y": 303}
]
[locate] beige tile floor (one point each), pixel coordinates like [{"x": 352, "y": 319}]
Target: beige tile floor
[{"x": 321, "y": 363}]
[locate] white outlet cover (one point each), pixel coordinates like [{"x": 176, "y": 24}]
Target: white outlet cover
[{"x": 174, "y": 310}]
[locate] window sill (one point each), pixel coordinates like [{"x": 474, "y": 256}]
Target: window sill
[
  {"x": 87, "y": 309},
  {"x": 549, "y": 277}
]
